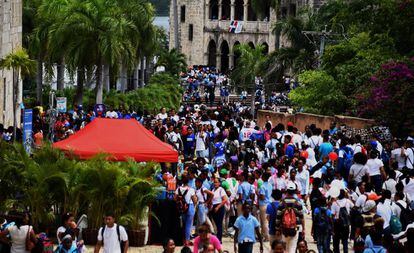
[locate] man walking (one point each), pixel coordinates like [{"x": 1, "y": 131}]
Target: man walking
[
  {"x": 112, "y": 237},
  {"x": 246, "y": 225}
]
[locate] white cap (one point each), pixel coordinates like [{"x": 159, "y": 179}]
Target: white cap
[{"x": 368, "y": 206}]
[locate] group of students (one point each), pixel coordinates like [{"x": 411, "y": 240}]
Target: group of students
[{"x": 346, "y": 184}]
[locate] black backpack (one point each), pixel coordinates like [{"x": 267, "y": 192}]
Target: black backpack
[
  {"x": 322, "y": 221},
  {"x": 121, "y": 243},
  {"x": 182, "y": 205},
  {"x": 406, "y": 216},
  {"x": 344, "y": 218}
]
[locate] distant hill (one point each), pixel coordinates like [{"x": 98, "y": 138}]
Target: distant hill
[{"x": 161, "y": 6}]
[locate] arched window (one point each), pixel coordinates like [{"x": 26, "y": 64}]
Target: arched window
[
  {"x": 212, "y": 53},
  {"x": 224, "y": 49},
  {"x": 238, "y": 10},
  {"x": 214, "y": 11},
  {"x": 225, "y": 10}
]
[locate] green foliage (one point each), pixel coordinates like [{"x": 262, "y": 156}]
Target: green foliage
[
  {"x": 19, "y": 61},
  {"x": 173, "y": 61},
  {"x": 163, "y": 90},
  {"x": 249, "y": 65},
  {"x": 50, "y": 184},
  {"x": 318, "y": 93}
]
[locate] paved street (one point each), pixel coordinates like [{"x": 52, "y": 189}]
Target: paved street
[{"x": 227, "y": 243}]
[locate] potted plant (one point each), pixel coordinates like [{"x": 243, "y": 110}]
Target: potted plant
[{"x": 142, "y": 192}]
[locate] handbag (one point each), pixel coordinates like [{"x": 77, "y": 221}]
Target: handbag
[{"x": 29, "y": 244}]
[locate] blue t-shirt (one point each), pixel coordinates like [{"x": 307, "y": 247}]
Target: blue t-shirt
[
  {"x": 266, "y": 190},
  {"x": 246, "y": 190},
  {"x": 220, "y": 148},
  {"x": 290, "y": 151},
  {"x": 246, "y": 227},
  {"x": 189, "y": 144},
  {"x": 324, "y": 149},
  {"x": 271, "y": 210}
]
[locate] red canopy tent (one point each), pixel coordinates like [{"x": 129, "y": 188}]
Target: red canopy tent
[{"x": 120, "y": 139}]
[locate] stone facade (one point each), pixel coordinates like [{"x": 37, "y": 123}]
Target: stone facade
[
  {"x": 203, "y": 28},
  {"x": 10, "y": 39}
]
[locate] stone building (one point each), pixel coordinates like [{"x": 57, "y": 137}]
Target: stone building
[
  {"x": 10, "y": 39},
  {"x": 203, "y": 28}
]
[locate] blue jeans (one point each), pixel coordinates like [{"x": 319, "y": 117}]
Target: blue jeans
[
  {"x": 201, "y": 214},
  {"x": 376, "y": 181},
  {"x": 323, "y": 242},
  {"x": 188, "y": 221}
]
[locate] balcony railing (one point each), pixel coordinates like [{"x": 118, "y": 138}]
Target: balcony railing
[{"x": 248, "y": 26}]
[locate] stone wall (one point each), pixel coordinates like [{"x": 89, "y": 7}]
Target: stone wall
[
  {"x": 10, "y": 39},
  {"x": 300, "y": 120}
]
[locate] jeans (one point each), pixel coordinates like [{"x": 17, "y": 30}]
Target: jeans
[
  {"x": 323, "y": 242},
  {"x": 188, "y": 221},
  {"x": 340, "y": 234},
  {"x": 246, "y": 247},
  {"x": 218, "y": 218},
  {"x": 377, "y": 183},
  {"x": 202, "y": 153}
]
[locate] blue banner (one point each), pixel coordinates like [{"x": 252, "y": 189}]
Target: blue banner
[{"x": 28, "y": 130}]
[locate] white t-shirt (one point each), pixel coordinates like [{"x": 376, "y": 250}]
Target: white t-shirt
[
  {"x": 374, "y": 166},
  {"x": 336, "y": 206},
  {"x": 188, "y": 195},
  {"x": 18, "y": 237},
  {"x": 201, "y": 195},
  {"x": 409, "y": 188},
  {"x": 384, "y": 210},
  {"x": 162, "y": 116},
  {"x": 409, "y": 153},
  {"x": 200, "y": 142},
  {"x": 390, "y": 185},
  {"x": 314, "y": 141},
  {"x": 219, "y": 194},
  {"x": 396, "y": 155},
  {"x": 357, "y": 148},
  {"x": 358, "y": 171},
  {"x": 111, "y": 242}
]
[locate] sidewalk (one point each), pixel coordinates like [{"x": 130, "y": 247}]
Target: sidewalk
[{"x": 228, "y": 243}]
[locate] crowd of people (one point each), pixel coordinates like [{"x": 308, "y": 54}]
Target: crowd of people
[{"x": 259, "y": 183}]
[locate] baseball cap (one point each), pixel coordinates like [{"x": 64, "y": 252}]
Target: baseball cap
[
  {"x": 224, "y": 172},
  {"x": 290, "y": 123},
  {"x": 368, "y": 206},
  {"x": 291, "y": 186},
  {"x": 373, "y": 196}
]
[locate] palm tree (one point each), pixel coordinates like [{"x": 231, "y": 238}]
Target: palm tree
[
  {"x": 22, "y": 66},
  {"x": 173, "y": 61},
  {"x": 249, "y": 65}
]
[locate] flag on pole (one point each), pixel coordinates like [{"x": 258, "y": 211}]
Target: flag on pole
[{"x": 235, "y": 26}]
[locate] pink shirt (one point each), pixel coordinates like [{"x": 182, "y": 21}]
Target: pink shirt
[{"x": 198, "y": 247}]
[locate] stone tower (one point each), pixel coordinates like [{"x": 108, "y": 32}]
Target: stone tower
[
  {"x": 204, "y": 35},
  {"x": 10, "y": 39}
]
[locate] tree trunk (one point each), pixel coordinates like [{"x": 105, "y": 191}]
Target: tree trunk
[
  {"x": 106, "y": 78},
  {"x": 60, "y": 75},
  {"x": 135, "y": 82},
  {"x": 99, "y": 88},
  {"x": 142, "y": 81},
  {"x": 79, "y": 86},
  {"x": 253, "y": 100},
  {"x": 175, "y": 13},
  {"x": 15, "y": 103},
  {"x": 39, "y": 81}
]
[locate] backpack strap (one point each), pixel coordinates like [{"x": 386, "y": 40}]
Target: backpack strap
[
  {"x": 102, "y": 234},
  {"x": 118, "y": 233},
  {"x": 399, "y": 204}
]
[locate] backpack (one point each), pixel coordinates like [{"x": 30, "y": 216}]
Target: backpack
[
  {"x": 289, "y": 225},
  {"x": 231, "y": 148},
  {"x": 322, "y": 221},
  {"x": 182, "y": 205},
  {"x": 348, "y": 159},
  {"x": 395, "y": 225},
  {"x": 344, "y": 218},
  {"x": 406, "y": 216},
  {"x": 46, "y": 242},
  {"x": 121, "y": 243}
]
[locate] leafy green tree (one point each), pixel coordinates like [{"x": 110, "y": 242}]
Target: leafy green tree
[
  {"x": 250, "y": 64},
  {"x": 318, "y": 93},
  {"x": 173, "y": 61},
  {"x": 22, "y": 66}
]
